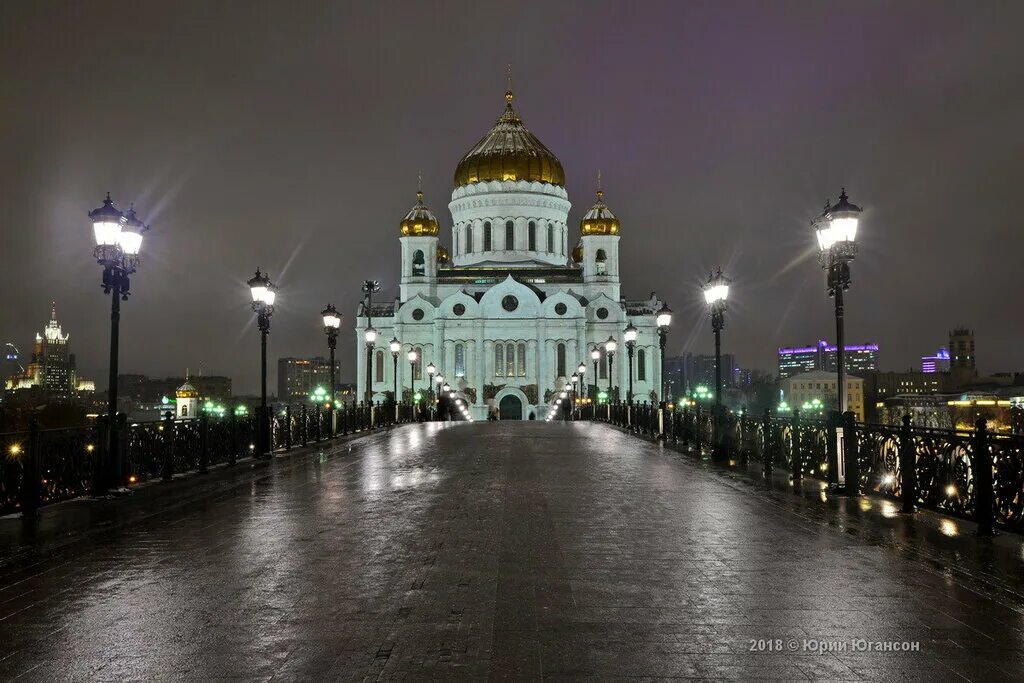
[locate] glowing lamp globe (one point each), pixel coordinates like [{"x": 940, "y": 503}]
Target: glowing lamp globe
[
  {"x": 629, "y": 334},
  {"x": 263, "y": 292},
  {"x": 664, "y": 319},
  {"x": 595, "y": 354},
  {"x": 716, "y": 289},
  {"x": 370, "y": 334},
  {"x": 610, "y": 345},
  {"x": 106, "y": 223},
  {"x": 582, "y": 369},
  {"x": 838, "y": 225},
  {"x": 130, "y": 237},
  {"x": 412, "y": 356},
  {"x": 395, "y": 346},
  {"x": 331, "y": 318}
]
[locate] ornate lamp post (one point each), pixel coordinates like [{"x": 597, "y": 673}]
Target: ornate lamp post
[
  {"x": 370, "y": 337},
  {"x": 595, "y": 355},
  {"x": 368, "y": 288},
  {"x": 431, "y": 371},
  {"x": 263, "y": 293},
  {"x": 609, "y": 348},
  {"x": 332, "y": 323},
  {"x": 447, "y": 394},
  {"x": 412, "y": 378},
  {"x": 629, "y": 335},
  {"x": 396, "y": 348},
  {"x": 664, "y": 321},
  {"x": 716, "y": 291},
  {"x": 118, "y": 243},
  {"x": 836, "y": 230}
]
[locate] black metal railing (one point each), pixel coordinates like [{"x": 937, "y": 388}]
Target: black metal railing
[
  {"x": 64, "y": 463},
  {"x": 975, "y": 474}
]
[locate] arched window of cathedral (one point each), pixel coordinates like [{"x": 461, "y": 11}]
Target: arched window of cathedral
[
  {"x": 460, "y": 360},
  {"x": 521, "y": 360},
  {"x": 487, "y": 236},
  {"x": 641, "y": 365},
  {"x": 601, "y": 262},
  {"x": 469, "y": 238},
  {"x": 417, "y": 367},
  {"x": 379, "y": 366},
  {"x": 560, "y": 361},
  {"x": 417, "y": 262},
  {"x": 499, "y": 360},
  {"x": 510, "y": 360},
  {"x": 602, "y": 364},
  {"x": 510, "y": 235},
  {"x": 532, "y": 236}
]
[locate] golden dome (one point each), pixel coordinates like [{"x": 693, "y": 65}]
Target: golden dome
[
  {"x": 420, "y": 222},
  {"x": 599, "y": 220},
  {"x": 577, "y": 254},
  {"x": 442, "y": 254},
  {"x": 186, "y": 390},
  {"x": 509, "y": 152}
]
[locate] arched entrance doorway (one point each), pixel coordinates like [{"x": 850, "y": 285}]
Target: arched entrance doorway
[{"x": 510, "y": 408}]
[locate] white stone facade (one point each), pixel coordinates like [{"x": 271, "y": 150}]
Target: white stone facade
[{"x": 512, "y": 314}]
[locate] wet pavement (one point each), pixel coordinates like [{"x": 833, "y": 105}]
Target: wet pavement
[{"x": 505, "y": 550}]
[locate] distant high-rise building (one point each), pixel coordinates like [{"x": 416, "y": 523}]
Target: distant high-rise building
[
  {"x": 298, "y": 377},
  {"x": 690, "y": 370},
  {"x": 822, "y": 356},
  {"x": 52, "y": 368},
  {"x": 940, "y": 362},
  {"x": 961, "y": 350}
]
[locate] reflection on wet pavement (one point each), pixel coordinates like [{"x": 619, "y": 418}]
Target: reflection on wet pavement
[{"x": 522, "y": 550}]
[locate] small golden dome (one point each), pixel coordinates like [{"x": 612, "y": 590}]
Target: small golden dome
[
  {"x": 420, "y": 221},
  {"x": 599, "y": 220},
  {"x": 509, "y": 152},
  {"x": 186, "y": 390},
  {"x": 442, "y": 254},
  {"x": 577, "y": 254}
]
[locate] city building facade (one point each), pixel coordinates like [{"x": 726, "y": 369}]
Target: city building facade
[
  {"x": 518, "y": 302},
  {"x": 297, "y": 378},
  {"x": 806, "y": 387},
  {"x": 822, "y": 356},
  {"x": 51, "y": 374},
  {"x": 940, "y": 362}
]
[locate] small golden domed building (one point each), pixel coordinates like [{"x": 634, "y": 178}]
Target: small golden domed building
[{"x": 519, "y": 299}]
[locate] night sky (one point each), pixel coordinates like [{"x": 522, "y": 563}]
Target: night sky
[{"x": 289, "y": 136}]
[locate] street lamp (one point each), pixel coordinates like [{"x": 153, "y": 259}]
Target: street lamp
[
  {"x": 396, "y": 348},
  {"x": 431, "y": 371},
  {"x": 263, "y": 293},
  {"x": 836, "y": 230},
  {"x": 412, "y": 356},
  {"x": 332, "y": 323},
  {"x": 629, "y": 335},
  {"x": 368, "y": 289},
  {"x": 664, "y": 321},
  {"x": 370, "y": 337},
  {"x": 595, "y": 355},
  {"x": 716, "y": 291},
  {"x": 609, "y": 347},
  {"x": 118, "y": 243}
]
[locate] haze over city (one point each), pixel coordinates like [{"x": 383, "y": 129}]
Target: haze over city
[{"x": 290, "y": 138}]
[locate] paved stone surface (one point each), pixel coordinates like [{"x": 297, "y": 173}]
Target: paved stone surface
[{"x": 524, "y": 550}]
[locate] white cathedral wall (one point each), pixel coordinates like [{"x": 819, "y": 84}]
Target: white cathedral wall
[{"x": 498, "y": 202}]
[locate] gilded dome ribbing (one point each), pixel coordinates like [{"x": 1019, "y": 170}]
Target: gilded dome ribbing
[
  {"x": 420, "y": 221},
  {"x": 599, "y": 220},
  {"x": 509, "y": 152}
]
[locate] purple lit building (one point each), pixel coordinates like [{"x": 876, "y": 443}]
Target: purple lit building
[
  {"x": 860, "y": 358},
  {"x": 937, "y": 363}
]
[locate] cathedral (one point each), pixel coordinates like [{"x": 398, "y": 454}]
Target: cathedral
[{"x": 511, "y": 310}]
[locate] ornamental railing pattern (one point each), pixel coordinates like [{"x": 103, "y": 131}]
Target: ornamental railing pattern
[
  {"x": 64, "y": 463},
  {"x": 967, "y": 473}
]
